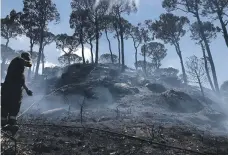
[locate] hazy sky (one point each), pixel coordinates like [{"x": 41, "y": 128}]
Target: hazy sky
[{"x": 147, "y": 9}]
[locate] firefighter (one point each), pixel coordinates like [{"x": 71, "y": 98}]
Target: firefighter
[{"x": 11, "y": 92}]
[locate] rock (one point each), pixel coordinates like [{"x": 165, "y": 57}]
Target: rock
[
  {"x": 181, "y": 102},
  {"x": 89, "y": 93},
  {"x": 124, "y": 78},
  {"x": 114, "y": 73},
  {"x": 122, "y": 88},
  {"x": 139, "y": 81},
  {"x": 173, "y": 81},
  {"x": 157, "y": 88},
  {"x": 107, "y": 81},
  {"x": 134, "y": 81},
  {"x": 143, "y": 81}
]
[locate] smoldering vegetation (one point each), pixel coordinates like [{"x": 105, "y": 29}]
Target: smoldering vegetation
[
  {"x": 99, "y": 110},
  {"x": 92, "y": 108}
]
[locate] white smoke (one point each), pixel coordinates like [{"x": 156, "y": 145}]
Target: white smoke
[{"x": 113, "y": 2}]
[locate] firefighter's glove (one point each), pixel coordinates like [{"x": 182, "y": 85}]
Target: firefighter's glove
[{"x": 29, "y": 92}]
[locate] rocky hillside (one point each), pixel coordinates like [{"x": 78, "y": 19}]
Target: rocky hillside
[{"x": 98, "y": 110}]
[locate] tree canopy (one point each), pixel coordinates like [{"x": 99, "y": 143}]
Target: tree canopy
[
  {"x": 209, "y": 30},
  {"x": 67, "y": 59},
  {"x": 92, "y": 21},
  {"x": 42, "y": 12},
  {"x": 170, "y": 28},
  {"x": 10, "y": 26},
  {"x": 7, "y": 53},
  {"x": 157, "y": 52},
  {"x": 107, "y": 58}
]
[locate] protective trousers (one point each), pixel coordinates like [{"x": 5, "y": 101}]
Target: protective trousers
[{"x": 10, "y": 104}]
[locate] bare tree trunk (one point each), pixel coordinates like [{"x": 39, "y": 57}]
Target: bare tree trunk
[
  {"x": 225, "y": 33},
  {"x": 97, "y": 42},
  {"x": 109, "y": 43},
  {"x": 144, "y": 63},
  {"x": 82, "y": 44},
  {"x": 183, "y": 69},
  {"x": 209, "y": 55},
  {"x": 7, "y": 42},
  {"x": 157, "y": 66},
  {"x": 157, "y": 63},
  {"x": 40, "y": 51},
  {"x": 220, "y": 17},
  {"x": 68, "y": 59},
  {"x": 144, "y": 59},
  {"x": 118, "y": 39},
  {"x": 83, "y": 56},
  {"x": 122, "y": 42},
  {"x": 136, "y": 57},
  {"x": 123, "y": 58},
  {"x": 119, "y": 50},
  {"x": 201, "y": 87},
  {"x": 177, "y": 46},
  {"x": 91, "y": 50},
  {"x": 213, "y": 68},
  {"x": 43, "y": 60},
  {"x": 122, "y": 52},
  {"x": 206, "y": 67},
  {"x": 33, "y": 69},
  {"x": 97, "y": 48},
  {"x": 31, "y": 53}
]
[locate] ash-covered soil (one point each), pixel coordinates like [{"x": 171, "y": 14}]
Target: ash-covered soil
[{"x": 128, "y": 138}]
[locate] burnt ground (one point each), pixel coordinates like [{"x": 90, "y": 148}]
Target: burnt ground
[
  {"x": 135, "y": 139},
  {"x": 114, "y": 132},
  {"x": 138, "y": 124}
]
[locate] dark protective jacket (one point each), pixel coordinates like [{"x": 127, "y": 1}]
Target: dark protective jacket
[
  {"x": 15, "y": 72},
  {"x": 11, "y": 91},
  {"x": 15, "y": 78}
]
